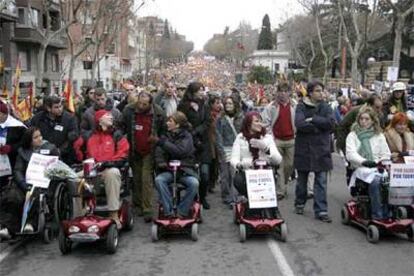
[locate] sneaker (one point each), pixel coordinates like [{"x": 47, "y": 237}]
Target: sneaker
[
  {"x": 324, "y": 218},
  {"x": 299, "y": 210},
  {"x": 4, "y": 234},
  {"x": 28, "y": 228}
]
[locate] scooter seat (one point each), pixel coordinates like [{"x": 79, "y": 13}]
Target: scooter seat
[{"x": 360, "y": 188}]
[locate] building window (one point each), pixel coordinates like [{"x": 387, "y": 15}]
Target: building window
[
  {"x": 21, "y": 16},
  {"x": 55, "y": 62},
  {"x": 24, "y": 58},
  {"x": 34, "y": 18}
]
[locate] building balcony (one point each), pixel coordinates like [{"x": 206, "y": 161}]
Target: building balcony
[
  {"x": 9, "y": 12},
  {"x": 30, "y": 35}
]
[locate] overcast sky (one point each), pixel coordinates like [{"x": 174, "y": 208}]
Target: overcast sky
[{"x": 198, "y": 20}]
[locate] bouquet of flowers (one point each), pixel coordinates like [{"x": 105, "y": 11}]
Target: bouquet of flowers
[{"x": 60, "y": 170}]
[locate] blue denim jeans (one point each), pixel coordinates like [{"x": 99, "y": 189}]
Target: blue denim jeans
[
  {"x": 378, "y": 210},
  {"x": 163, "y": 182},
  {"x": 320, "y": 204}
]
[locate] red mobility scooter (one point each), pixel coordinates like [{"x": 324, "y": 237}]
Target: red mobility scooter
[
  {"x": 95, "y": 225},
  {"x": 175, "y": 224},
  {"x": 357, "y": 211},
  {"x": 258, "y": 221}
]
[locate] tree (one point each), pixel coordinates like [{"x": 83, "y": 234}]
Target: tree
[
  {"x": 166, "y": 34},
  {"x": 401, "y": 10},
  {"x": 265, "y": 37},
  {"x": 260, "y": 74}
]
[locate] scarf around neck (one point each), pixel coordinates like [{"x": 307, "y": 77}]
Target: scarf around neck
[{"x": 364, "y": 136}]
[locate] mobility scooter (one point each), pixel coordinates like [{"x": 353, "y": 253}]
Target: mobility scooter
[
  {"x": 95, "y": 225},
  {"x": 357, "y": 211},
  {"x": 175, "y": 224},
  {"x": 258, "y": 221}
]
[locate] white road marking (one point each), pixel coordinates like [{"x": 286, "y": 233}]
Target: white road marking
[
  {"x": 281, "y": 261},
  {"x": 8, "y": 250}
]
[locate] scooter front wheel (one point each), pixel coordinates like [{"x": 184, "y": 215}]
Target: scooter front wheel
[
  {"x": 242, "y": 232},
  {"x": 283, "y": 232},
  {"x": 65, "y": 245},
  {"x": 194, "y": 232},
  {"x": 112, "y": 239},
  {"x": 345, "y": 216},
  {"x": 373, "y": 233},
  {"x": 154, "y": 233},
  {"x": 410, "y": 232}
]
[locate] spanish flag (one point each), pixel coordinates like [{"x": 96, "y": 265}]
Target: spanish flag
[
  {"x": 16, "y": 88},
  {"x": 24, "y": 110},
  {"x": 68, "y": 95}
]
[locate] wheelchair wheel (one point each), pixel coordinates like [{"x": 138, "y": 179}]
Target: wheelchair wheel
[
  {"x": 41, "y": 222},
  {"x": 47, "y": 235},
  {"x": 63, "y": 203}
]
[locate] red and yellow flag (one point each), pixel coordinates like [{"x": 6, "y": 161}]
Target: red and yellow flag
[
  {"x": 68, "y": 95},
  {"x": 31, "y": 96},
  {"x": 24, "y": 110},
  {"x": 16, "y": 88}
]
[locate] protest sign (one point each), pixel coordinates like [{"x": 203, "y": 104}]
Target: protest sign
[
  {"x": 402, "y": 175},
  {"x": 36, "y": 168},
  {"x": 392, "y": 75},
  {"x": 261, "y": 189}
]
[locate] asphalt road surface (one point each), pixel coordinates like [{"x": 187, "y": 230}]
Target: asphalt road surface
[{"x": 313, "y": 248}]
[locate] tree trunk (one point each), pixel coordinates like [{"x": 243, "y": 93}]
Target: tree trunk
[
  {"x": 325, "y": 55},
  {"x": 40, "y": 66},
  {"x": 398, "y": 41},
  {"x": 354, "y": 70}
]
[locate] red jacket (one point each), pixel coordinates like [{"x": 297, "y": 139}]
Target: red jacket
[{"x": 101, "y": 147}]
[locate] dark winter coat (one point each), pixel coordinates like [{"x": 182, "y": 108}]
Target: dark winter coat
[
  {"x": 177, "y": 145},
  {"x": 88, "y": 125},
  {"x": 23, "y": 159},
  {"x": 61, "y": 132},
  {"x": 200, "y": 121},
  {"x": 158, "y": 124},
  {"x": 313, "y": 139},
  {"x": 225, "y": 133}
]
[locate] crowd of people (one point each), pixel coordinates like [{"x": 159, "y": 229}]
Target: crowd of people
[{"x": 215, "y": 131}]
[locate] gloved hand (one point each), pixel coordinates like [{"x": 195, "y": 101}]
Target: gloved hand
[
  {"x": 369, "y": 164},
  {"x": 258, "y": 144},
  {"x": 5, "y": 149}
]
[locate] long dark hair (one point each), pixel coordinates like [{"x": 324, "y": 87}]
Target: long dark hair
[
  {"x": 393, "y": 101},
  {"x": 192, "y": 88},
  {"x": 245, "y": 130},
  {"x": 27, "y": 137}
]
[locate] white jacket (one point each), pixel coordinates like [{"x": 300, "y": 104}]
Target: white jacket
[
  {"x": 241, "y": 151},
  {"x": 379, "y": 146}
]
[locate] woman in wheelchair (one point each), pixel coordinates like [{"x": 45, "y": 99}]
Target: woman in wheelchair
[
  {"x": 365, "y": 147},
  {"x": 250, "y": 145},
  {"x": 176, "y": 145},
  {"x": 32, "y": 142}
]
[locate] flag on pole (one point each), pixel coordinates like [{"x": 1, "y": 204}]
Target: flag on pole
[
  {"x": 68, "y": 95},
  {"x": 24, "y": 110},
  {"x": 31, "y": 97},
  {"x": 16, "y": 91}
]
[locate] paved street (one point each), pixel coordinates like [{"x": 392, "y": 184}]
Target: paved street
[{"x": 313, "y": 248}]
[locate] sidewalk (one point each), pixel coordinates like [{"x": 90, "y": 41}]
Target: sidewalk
[{"x": 6, "y": 248}]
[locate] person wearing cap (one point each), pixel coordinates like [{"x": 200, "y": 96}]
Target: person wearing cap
[
  {"x": 396, "y": 102},
  {"x": 57, "y": 126},
  {"x": 399, "y": 137},
  {"x": 144, "y": 121},
  {"x": 314, "y": 124},
  {"x": 111, "y": 152}
]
